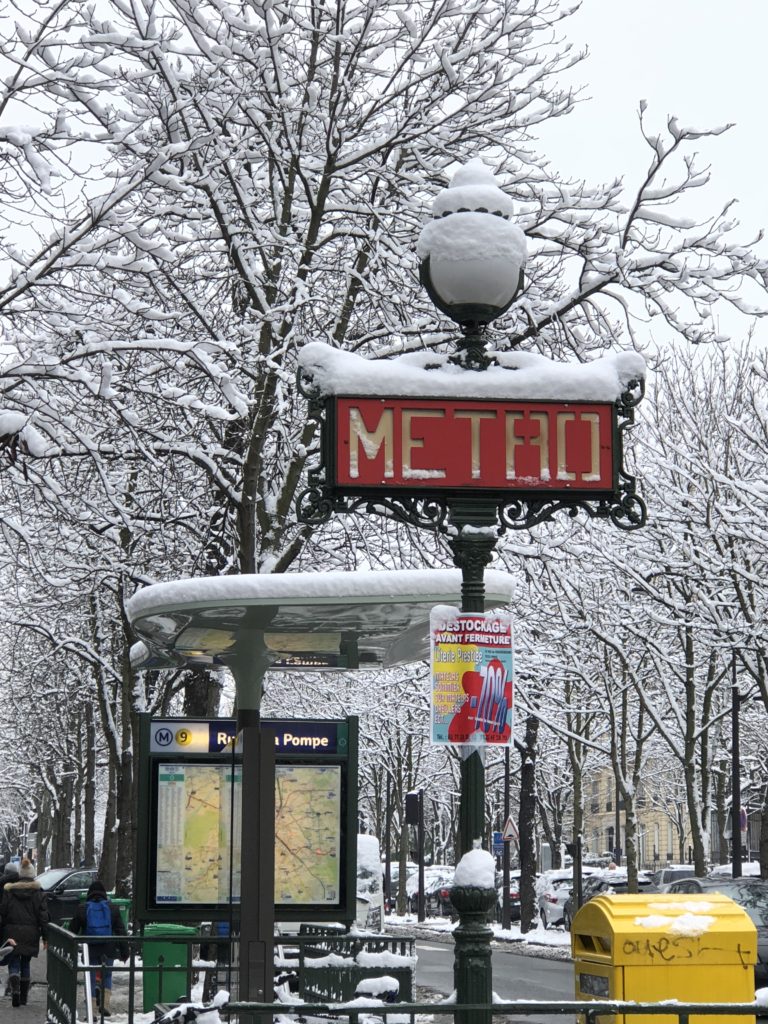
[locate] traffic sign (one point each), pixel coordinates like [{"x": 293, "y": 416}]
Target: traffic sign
[{"x": 510, "y": 832}]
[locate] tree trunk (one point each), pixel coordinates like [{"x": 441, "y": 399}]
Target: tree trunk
[
  {"x": 89, "y": 789},
  {"x": 79, "y": 839},
  {"x": 109, "y": 840},
  {"x": 720, "y": 808},
  {"x": 125, "y": 788},
  {"x": 764, "y": 835},
  {"x": 202, "y": 693},
  {"x": 527, "y": 827}
]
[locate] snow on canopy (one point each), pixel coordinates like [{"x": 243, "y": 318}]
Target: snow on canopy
[
  {"x": 300, "y": 587},
  {"x": 516, "y": 376}
]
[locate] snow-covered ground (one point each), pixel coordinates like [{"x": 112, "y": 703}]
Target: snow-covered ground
[{"x": 540, "y": 936}]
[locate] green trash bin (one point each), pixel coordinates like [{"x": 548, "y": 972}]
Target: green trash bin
[
  {"x": 170, "y": 985},
  {"x": 124, "y": 906}
]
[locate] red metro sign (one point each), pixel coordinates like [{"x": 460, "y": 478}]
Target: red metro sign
[
  {"x": 506, "y": 464},
  {"x": 437, "y": 446}
]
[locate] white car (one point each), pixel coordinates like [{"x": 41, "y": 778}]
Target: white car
[
  {"x": 552, "y": 901},
  {"x": 672, "y": 873},
  {"x": 552, "y": 890}
]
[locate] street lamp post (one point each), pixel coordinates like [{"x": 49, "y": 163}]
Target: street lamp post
[
  {"x": 472, "y": 268},
  {"x": 470, "y": 447}
]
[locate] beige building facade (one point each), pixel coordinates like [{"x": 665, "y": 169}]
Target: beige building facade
[{"x": 662, "y": 835}]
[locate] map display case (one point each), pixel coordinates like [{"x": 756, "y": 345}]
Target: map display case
[{"x": 190, "y": 815}]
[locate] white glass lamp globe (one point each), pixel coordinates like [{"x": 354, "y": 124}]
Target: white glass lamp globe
[{"x": 472, "y": 257}]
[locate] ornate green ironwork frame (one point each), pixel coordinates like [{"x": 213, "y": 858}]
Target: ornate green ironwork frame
[{"x": 433, "y": 509}]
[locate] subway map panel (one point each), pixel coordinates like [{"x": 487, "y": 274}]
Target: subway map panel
[
  {"x": 307, "y": 834},
  {"x": 199, "y": 816},
  {"x": 194, "y": 825}
]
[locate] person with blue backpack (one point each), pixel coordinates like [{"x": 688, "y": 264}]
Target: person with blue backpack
[{"x": 97, "y": 916}]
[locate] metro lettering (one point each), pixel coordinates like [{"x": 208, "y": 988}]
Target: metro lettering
[{"x": 502, "y": 445}]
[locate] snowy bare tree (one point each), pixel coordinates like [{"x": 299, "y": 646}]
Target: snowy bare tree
[{"x": 226, "y": 181}]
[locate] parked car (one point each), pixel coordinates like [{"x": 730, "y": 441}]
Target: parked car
[
  {"x": 435, "y": 876},
  {"x": 552, "y": 890},
  {"x": 514, "y": 896},
  {"x": 437, "y": 896},
  {"x": 611, "y": 881},
  {"x": 65, "y": 888},
  {"x": 671, "y": 873},
  {"x": 749, "y": 869},
  {"x": 394, "y": 883},
  {"x": 552, "y": 901},
  {"x": 749, "y": 893}
]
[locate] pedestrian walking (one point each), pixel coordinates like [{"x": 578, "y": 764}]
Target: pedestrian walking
[
  {"x": 97, "y": 916},
  {"x": 10, "y": 873},
  {"x": 23, "y": 923}
]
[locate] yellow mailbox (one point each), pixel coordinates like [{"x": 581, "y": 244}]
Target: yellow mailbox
[{"x": 654, "y": 947}]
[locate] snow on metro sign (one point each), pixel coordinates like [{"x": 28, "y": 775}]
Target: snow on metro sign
[
  {"x": 474, "y": 445},
  {"x": 414, "y": 436}
]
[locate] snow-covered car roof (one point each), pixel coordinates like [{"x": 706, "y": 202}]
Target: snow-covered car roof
[
  {"x": 748, "y": 868},
  {"x": 556, "y": 876},
  {"x": 432, "y": 873}
]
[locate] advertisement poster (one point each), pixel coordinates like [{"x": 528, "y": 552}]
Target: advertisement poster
[{"x": 472, "y": 677}]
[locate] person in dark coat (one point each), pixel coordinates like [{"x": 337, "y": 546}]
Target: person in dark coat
[
  {"x": 104, "y": 952},
  {"x": 10, "y": 873},
  {"x": 23, "y": 922}
]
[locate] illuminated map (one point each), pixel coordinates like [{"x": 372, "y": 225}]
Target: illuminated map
[
  {"x": 307, "y": 834},
  {"x": 194, "y": 824}
]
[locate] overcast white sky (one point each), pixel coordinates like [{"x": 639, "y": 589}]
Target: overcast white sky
[{"x": 704, "y": 61}]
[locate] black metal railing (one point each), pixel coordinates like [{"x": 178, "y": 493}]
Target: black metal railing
[
  {"x": 170, "y": 981},
  {"x": 163, "y": 978},
  {"x": 592, "y": 1012}
]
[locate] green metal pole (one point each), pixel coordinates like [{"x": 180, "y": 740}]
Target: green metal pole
[
  {"x": 472, "y": 550},
  {"x": 257, "y": 900}
]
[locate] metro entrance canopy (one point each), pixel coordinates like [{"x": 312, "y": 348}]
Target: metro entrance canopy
[
  {"x": 251, "y": 624},
  {"x": 307, "y": 621}
]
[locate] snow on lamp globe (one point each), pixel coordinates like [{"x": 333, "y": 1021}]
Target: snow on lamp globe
[{"x": 472, "y": 256}]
